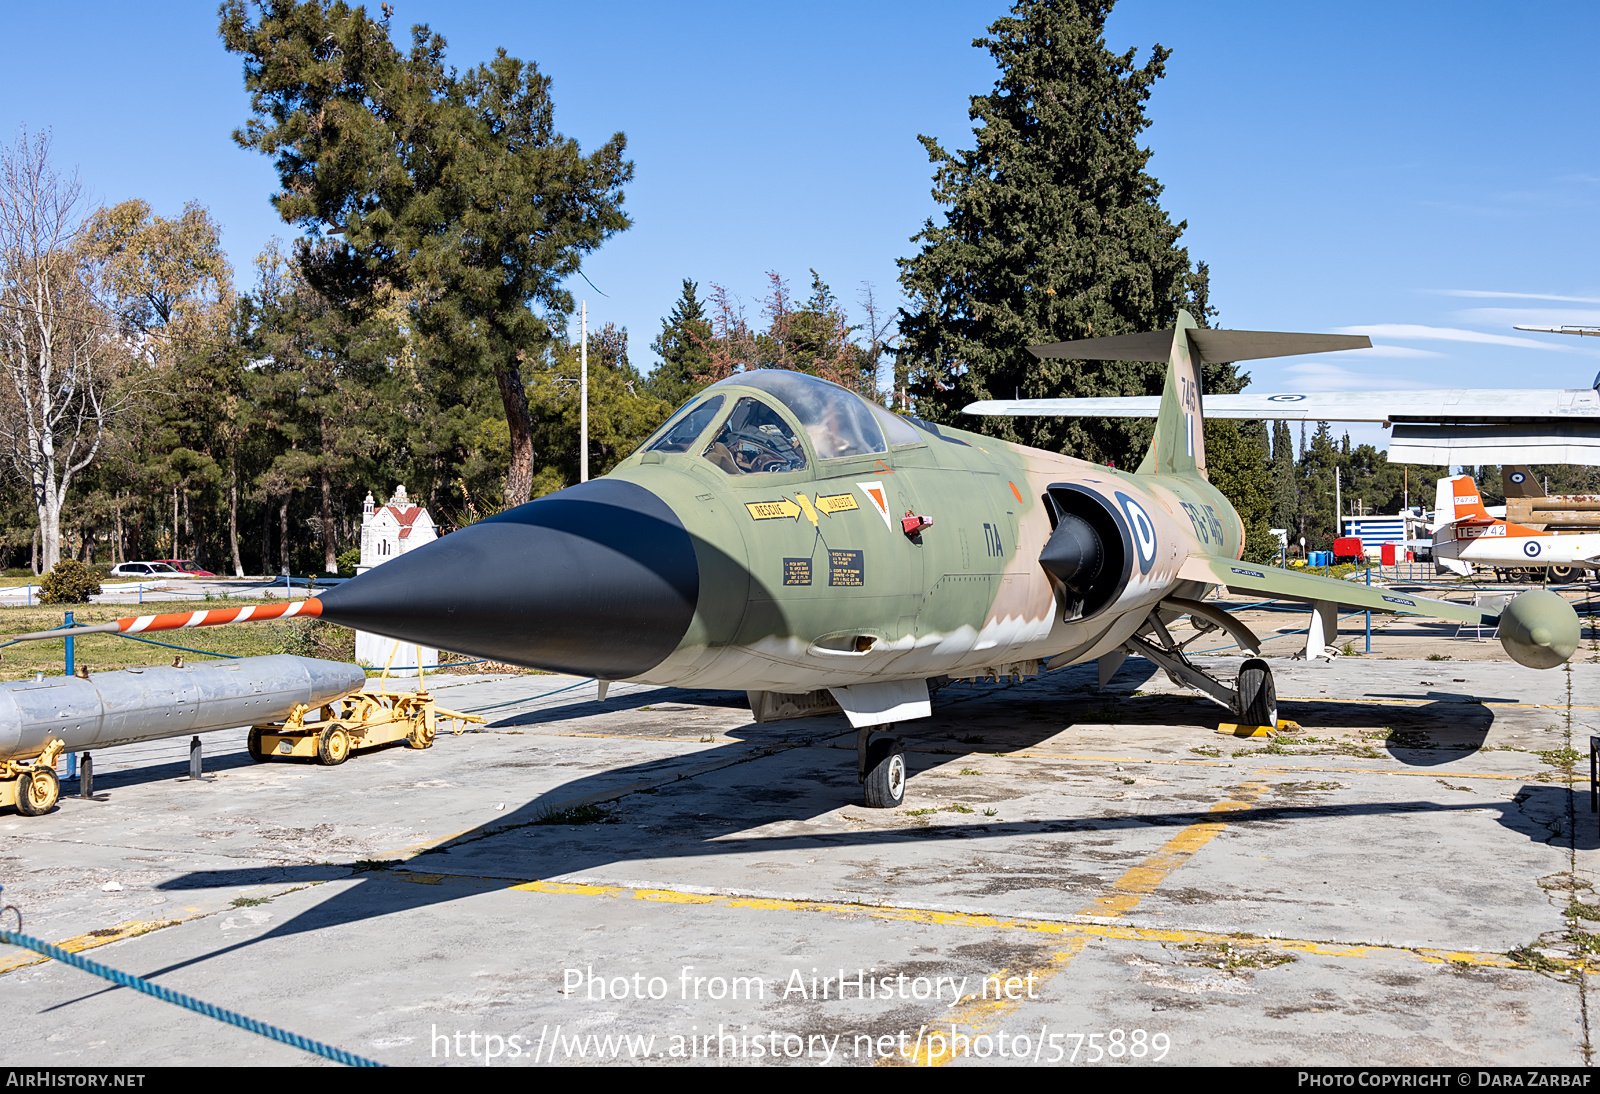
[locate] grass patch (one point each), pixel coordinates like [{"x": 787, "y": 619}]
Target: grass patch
[
  {"x": 1529, "y": 958},
  {"x": 957, "y": 808},
  {"x": 1438, "y": 657},
  {"x": 1560, "y": 757},
  {"x": 919, "y": 812},
  {"x": 1225, "y": 955},
  {"x": 970, "y": 771},
  {"x": 991, "y": 812},
  {"x": 368, "y": 865},
  {"x": 249, "y": 901},
  {"x": 1579, "y": 910},
  {"x": 1586, "y": 943},
  {"x": 1214, "y": 753},
  {"x": 588, "y": 813}
]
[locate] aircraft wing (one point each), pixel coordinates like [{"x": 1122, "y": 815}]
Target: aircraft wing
[
  {"x": 1461, "y": 405},
  {"x": 1443, "y": 427},
  {"x": 1292, "y": 585}
]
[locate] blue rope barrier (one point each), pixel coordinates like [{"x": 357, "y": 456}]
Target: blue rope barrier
[
  {"x": 185, "y": 649},
  {"x": 528, "y": 699},
  {"x": 210, "y": 1010}
]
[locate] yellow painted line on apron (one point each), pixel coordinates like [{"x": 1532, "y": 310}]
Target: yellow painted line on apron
[
  {"x": 1375, "y": 701},
  {"x": 1083, "y": 927},
  {"x": 94, "y": 939},
  {"x": 978, "y": 1015},
  {"x": 1285, "y": 770},
  {"x": 106, "y": 936},
  {"x": 1141, "y": 880}
]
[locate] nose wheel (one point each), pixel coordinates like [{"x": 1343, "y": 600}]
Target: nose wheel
[{"x": 881, "y": 770}]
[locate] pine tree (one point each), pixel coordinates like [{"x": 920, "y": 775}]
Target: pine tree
[
  {"x": 452, "y": 186},
  {"x": 1052, "y": 232}
]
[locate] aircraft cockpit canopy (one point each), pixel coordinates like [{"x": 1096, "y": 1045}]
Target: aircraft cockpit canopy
[
  {"x": 838, "y": 422},
  {"x": 756, "y": 439}
]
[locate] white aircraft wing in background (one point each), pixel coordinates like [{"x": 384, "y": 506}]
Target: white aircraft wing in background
[{"x": 1445, "y": 426}]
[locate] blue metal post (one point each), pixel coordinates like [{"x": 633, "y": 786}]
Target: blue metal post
[{"x": 69, "y": 647}]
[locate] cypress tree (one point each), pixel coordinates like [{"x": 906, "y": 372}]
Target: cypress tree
[
  {"x": 1052, "y": 232},
  {"x": 684, "y": 346},
  {"x": 1285, "y": 492}
]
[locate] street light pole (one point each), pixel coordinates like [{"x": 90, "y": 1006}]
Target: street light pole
[{"x": 583, "y": 392}]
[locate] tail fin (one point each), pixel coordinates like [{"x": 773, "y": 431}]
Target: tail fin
[
  {"x": 1458, "y": 501},
  {"x": 1179, "y": 447},
  {"x": 1179, "y": 444},
  {"x": 1520, "y": 482}
]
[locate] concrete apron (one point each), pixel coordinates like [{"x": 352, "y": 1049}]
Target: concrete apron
[{"x": 1072, "y": 873}]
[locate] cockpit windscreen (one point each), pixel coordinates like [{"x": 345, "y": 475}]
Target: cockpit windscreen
[
  {"x": 839, "y": 424},
  {"x": 679, "y": 433}
]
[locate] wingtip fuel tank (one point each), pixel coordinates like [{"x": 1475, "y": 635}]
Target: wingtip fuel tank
[
  {"x": 1539, "y": 629},
  {"x": 113, "y": 708}
]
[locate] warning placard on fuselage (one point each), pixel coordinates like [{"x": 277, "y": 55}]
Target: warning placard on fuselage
[{"x": 845, "y": 568}]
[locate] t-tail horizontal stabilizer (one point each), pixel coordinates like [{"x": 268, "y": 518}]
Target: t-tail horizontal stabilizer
[{"x": 1206, "y": 346}]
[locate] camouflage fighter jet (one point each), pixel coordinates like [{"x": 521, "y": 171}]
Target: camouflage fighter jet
[{"x": 783, "y": 536}]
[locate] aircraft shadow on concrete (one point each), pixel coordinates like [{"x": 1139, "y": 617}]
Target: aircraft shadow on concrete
[{"x": 705, "y": 815}]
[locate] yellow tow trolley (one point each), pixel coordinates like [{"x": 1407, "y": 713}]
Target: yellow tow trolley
[{"x": 363, "y": 719}]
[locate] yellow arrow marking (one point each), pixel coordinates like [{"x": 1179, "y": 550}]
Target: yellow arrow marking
[
  {"x": 837, "y": 503},
  {"x": 773, "y": 510}
]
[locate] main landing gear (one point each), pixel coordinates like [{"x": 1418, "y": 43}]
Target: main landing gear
[
  {"x": 1253, "y": 699},
  {"x": 880, "y": 768}
]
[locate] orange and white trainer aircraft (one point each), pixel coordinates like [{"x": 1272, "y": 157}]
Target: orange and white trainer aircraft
[{"x": 1465, "y": 534}]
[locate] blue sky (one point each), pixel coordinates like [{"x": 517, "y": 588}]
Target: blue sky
[{"x": 1424, "y": 172}]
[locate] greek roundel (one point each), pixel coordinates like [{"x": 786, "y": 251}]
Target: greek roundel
[
  {"x": 1518, "y": 477},
  {"x": 1143, "y": 529},
  {"x": 1531, "y": 549}
]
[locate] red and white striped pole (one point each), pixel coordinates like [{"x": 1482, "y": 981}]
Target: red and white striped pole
[{"x": 180, "y": 621}]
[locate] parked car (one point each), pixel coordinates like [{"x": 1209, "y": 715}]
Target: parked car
[
  {"x": 144, "y": 569},
  {"x": 185, "y": 566}
]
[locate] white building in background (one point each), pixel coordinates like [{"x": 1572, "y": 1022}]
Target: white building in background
[
  {"x": 392, "y": 529},
  {"x": 387, "y": 532}
]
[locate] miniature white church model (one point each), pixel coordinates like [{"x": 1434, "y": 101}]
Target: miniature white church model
[
  {"x": 392, "y": 529},
  {"x": 388, "y": 531}
]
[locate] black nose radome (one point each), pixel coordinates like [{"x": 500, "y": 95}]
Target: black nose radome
[{"x": 599, "y": 579}]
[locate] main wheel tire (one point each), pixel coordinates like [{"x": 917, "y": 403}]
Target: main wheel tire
[
  {"x": 37, "y": 791},
  {"x": 252, "y": 745},
  {"x": 1258, "y": 699},
  {"x": 420, "y": 736},
  {"x": 1562, "y": 573},
  {"x": 333, "y": 746},
  {"x": 886, "y": 774}
]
